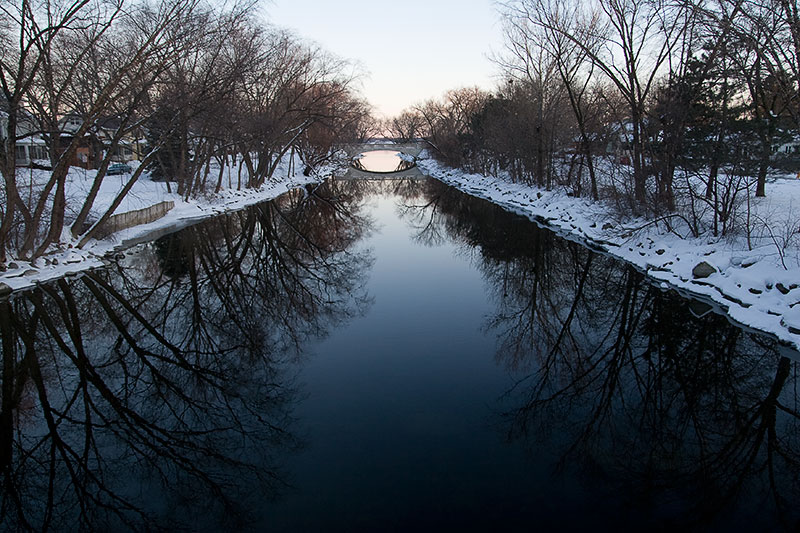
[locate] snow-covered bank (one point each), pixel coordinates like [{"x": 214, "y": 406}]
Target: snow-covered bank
[
  {"x": 70, "y": 260},
  {"x": 758, "y": 287}
]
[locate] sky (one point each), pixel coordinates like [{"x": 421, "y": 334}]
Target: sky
[{"x": 410, "y": 50}]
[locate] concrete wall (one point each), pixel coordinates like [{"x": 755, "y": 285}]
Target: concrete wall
[{"x": 134, "y": 218}]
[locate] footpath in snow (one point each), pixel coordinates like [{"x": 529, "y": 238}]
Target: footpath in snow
[
  {"x": 759, "y": 288},
  {"x": 145, "y": 193}
]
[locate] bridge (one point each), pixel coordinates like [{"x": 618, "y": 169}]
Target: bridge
[{"x": 410, "y": 148}]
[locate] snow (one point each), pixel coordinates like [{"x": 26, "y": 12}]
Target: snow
[
  {"x": 70, "y": 261},
  {"x": 792, "y": 318},
  {"x": 758, "y": 287}
]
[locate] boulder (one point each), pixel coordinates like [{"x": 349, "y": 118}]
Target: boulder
[
  {"x": 791, "y": 320},
  {"x": 703, "y": 270}
]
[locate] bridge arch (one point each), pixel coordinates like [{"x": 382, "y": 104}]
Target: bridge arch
[{"x": 411, "y": 148}]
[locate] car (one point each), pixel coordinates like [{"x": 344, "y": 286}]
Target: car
[{"x": 118, "y": 168}]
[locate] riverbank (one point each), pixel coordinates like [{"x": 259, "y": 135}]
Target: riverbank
[
  {"x": 757, "y": 287},
  {"x": 68, "y": 260}
]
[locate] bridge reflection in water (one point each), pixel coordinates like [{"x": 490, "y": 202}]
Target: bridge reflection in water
[
  {"x": 391, "y": 160},
  {"x": 383, "y": 161}
]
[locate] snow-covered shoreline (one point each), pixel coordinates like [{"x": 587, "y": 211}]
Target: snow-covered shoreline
[
  {"x": 751, "y": 286},
  {"x": 23, "y": 275}
]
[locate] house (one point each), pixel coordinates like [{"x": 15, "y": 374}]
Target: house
[
  {"x": 786, "y": 151},
  {"x": 30, "y": 146},
  {"x": 33, "y": 146},
  {"x": 93, "y": 147},
  {"x": 619, "y": 145},
  {"x": 786, "y": 148}
]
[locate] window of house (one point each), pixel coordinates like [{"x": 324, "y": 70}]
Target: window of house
[
  {"x": 22, "y": 154},
  {"x": 39, "y": 152}
]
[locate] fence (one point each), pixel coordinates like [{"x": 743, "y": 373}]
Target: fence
[{"x": 129, "y": 219}]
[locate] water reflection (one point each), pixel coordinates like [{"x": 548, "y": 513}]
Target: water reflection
[
  {"x": 383, "y": 161},
  {"x": 157, "y": 396},
  {"x": 162, "y": 394},
  {"x": 688, "y": 421}
]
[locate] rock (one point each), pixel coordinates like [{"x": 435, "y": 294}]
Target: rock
[
  {"x": 703, "y": 270},
  {"x": 5, "y": 290},
  {"x": 791, "y": 320},
  {"x": 755, "y": 291},
  {"x": 660, "y": 251},
  {"x": 13, "y": 265},
  {"x": 55, "y": 260},
  {"x": 607, "y": 226},
  {"x": 699, "y": 309},
  {"x": 737, "y": 301},
  {"x": 30, "y": 272}
]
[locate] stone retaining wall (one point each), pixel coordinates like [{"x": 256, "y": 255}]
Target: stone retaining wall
[{"x": 134, "y": 218}]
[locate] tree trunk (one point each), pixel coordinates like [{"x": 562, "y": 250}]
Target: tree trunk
[
  {"x": 639, "y": 178},
  {"x": 7, "y": 409},
  {"x": 763, "y": 165},
  {"x": 117, "y": 200},
  {"x": 77, "y": 225}
]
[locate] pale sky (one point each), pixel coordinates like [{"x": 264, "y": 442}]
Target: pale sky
[{"x": 411, "y": 50}]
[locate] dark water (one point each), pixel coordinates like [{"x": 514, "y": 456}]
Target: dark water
[{"x": 387, "y": 355}]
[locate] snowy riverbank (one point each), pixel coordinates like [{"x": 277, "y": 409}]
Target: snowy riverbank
[
  {"x": 69, "y": 260},
  {"x": 758, "y": 287}
]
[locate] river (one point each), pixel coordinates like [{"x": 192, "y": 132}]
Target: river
[{"x": 387, "y": 355}]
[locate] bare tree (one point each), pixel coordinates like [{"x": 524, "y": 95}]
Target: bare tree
[
  {"x": 630, "y": 42},
  {"x": 449, "y": 119},
  {"x": 29, "y": 30},
  {"x": 203, "y": 83},
  {"x": 554, "y": 65},
  {"x": 406, "y": 126}
]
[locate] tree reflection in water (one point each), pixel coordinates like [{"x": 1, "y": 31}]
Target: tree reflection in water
[
  {"x": 692, "y": 420},
  {"x": 155, "y": 396}
]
